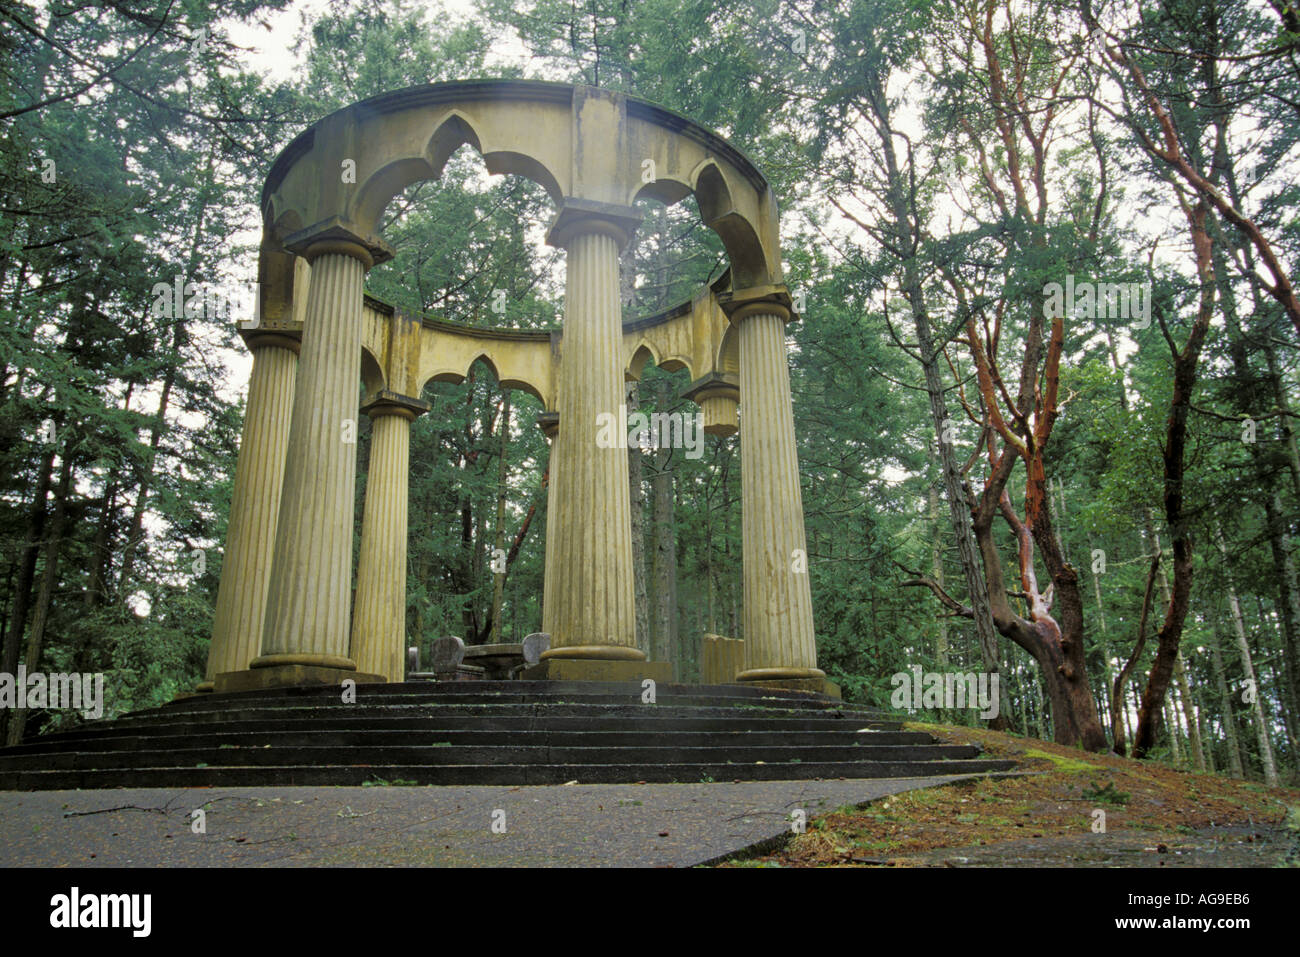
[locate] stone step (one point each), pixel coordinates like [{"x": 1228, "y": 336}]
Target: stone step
[
  {"x": 531, "y": 689},
  {"x": 338, "y": 720},
  {"x": 312, "y": 737},
  {"x": 500, "y": 774},
  {"x": 500, "y": 732},
  {"x": 511, "y": 715},
  {"x": 198, "y": 705},
  {"x": 448, "y": 754}
]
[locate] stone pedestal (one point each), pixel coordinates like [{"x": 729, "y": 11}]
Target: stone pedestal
[{"x": 721, "y": 659}]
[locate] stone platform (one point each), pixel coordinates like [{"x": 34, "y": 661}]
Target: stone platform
[{"x": 485, "y": 733}]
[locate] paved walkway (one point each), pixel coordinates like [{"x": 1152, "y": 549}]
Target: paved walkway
[{"x": 593, "y": 825}]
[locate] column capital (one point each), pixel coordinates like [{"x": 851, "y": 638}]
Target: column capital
[
  {"x": 578, "y": 217},
  {"x": 285, "y": 335},
  {"x": 549, "y": 423},
  {"x": 718, "y": 396},
  {"x": 715, "y": 385},
  {"x": 766, "y": 300},
  {"x": 334, "y": 235},
  {"x": 385, "y": 402}
]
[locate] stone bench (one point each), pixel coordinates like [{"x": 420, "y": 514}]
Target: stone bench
[
  {"x": 447, "y": 661},
  {"x": 505, "y": 661},
  {"x": 453, "y": 660}
]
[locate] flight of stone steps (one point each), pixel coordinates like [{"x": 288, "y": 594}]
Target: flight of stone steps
[{"x": 485, "y": 732}]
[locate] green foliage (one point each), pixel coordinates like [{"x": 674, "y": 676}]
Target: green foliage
[{"x": 159, "y": 168}]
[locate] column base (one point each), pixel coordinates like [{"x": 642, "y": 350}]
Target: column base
[
  {"x": 287, "y": 676},
  {"x": 595, "y": 653},
  {"x": 818, "y": 683},
  {"x": 592, "y": 669},
  {"x": 337, "y": 662}
]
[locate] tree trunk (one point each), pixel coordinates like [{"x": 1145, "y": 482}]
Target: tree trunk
[
  {"x": 1284, "y": 574},
  {"x": 49, "y": 575},
  {"x": 1248, "y": 673},
  {"x": 1189, "y": 714},
  {"x": 636, "y": 497},
  {"x": 32, "y": 538},
  {"x": 663, "y": 562},
  {"x": 1173, "y": 453},
  {"x": 503, "y": 473},
  {"x": 936, "y": 566},
  {"x": 1169, "y": 714},
  {"x": 1225, "y": 703}
]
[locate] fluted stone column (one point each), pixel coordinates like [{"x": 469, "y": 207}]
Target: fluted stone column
[
  {"x": 549, "y": 423},
  {"x": 779, "y": 638},
  {"x": 254, "y": 505},
  {"x": 308, "y": 603},
  {"x": 379, "y": 609},
  {"x": 591, "y": 613}
]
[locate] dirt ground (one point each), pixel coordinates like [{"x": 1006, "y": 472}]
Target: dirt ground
[{"x": 1072, "y": 809}]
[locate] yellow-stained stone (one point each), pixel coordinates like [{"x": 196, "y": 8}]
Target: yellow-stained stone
[
  {"x": 287, "y": 606},
  {"x": 379, "y": 609},
  {"x": 721, "y": 659},
  {"x": 779, "y": 639},
  {"x": 308, "y": 602},
  {"x": 254, "y": 507},
  {"x": 592, "y": 611}
]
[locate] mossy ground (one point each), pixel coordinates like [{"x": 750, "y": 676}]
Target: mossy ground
[{"x": 1058, "y": 800}]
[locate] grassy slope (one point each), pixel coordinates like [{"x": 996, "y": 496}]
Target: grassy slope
[{"x": 1059, "y": 800}]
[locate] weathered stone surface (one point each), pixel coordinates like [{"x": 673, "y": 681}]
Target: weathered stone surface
[
  {"x": 310, "y": 588},
  {"x": 779, "y": 637},
  {"x": 591, "y": 669},
  {"x": 820, "y": 685},
  {"x": 288, "y": 676},
  {"x": 254, "y": 507},
  {"x": 721, "y": 659},
  {"x": 379, "y": 608},
  {"x": 463, "y": 673}
]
